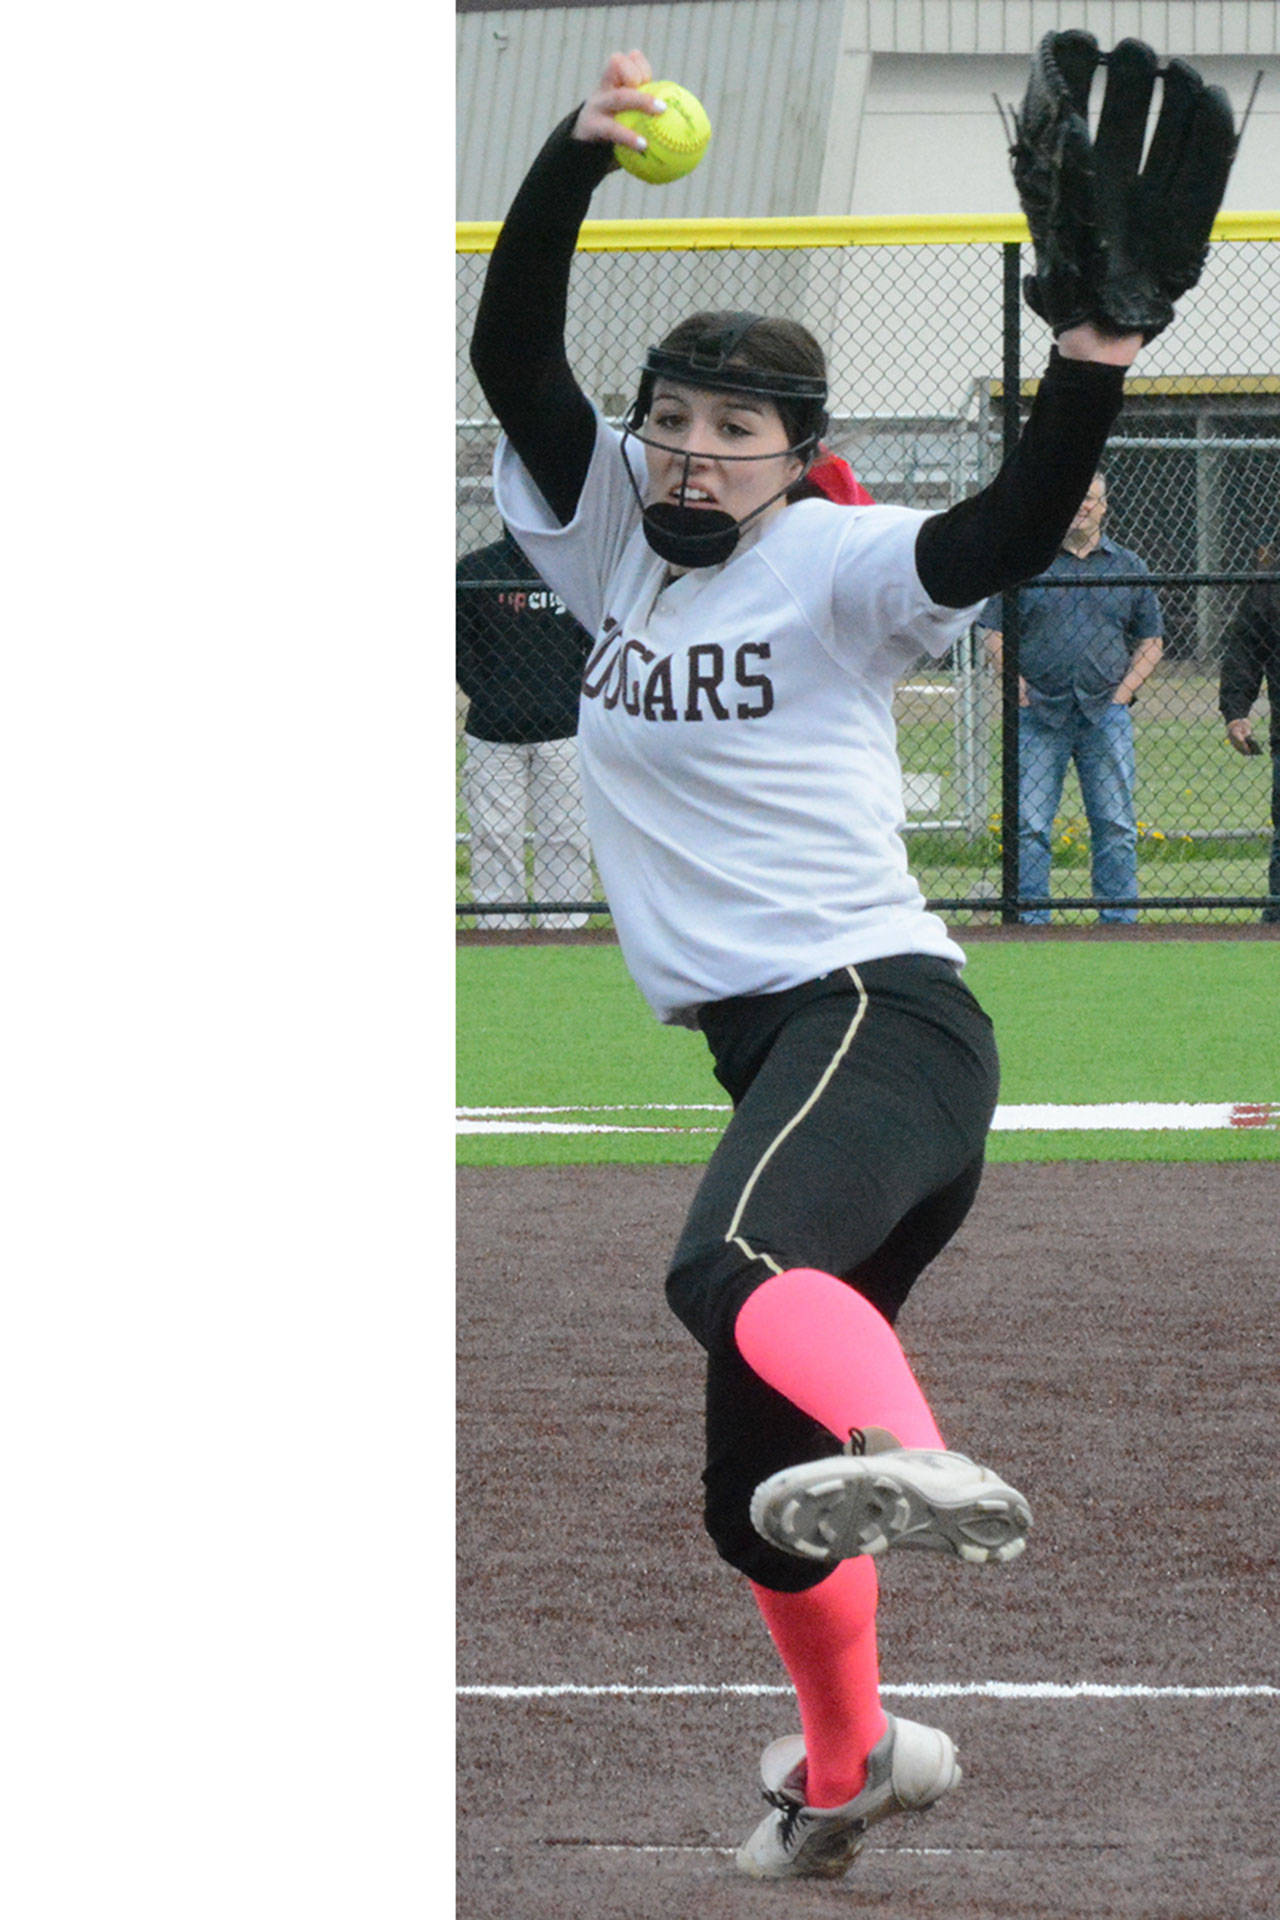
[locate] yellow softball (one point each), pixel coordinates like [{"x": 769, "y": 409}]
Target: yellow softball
[{"x": 677, "y": 138}]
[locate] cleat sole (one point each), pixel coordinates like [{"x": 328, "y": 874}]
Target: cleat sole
[{"x": 831, "y": 1510}]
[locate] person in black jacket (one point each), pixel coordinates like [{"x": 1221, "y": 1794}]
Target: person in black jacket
[
  {"x": 519, "y": 661},
  {"x": 1250, "y": 654}
]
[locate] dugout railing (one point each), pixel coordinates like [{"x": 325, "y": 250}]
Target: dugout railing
[{"x": 933, "y": 359}]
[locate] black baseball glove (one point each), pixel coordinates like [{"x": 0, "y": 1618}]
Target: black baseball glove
[{"x": 1114, "y": 245}]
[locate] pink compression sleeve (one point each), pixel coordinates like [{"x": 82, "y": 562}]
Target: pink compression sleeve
[
  {"x": 827, "y": 1639},
  {"x": 826, "y": 1349}
]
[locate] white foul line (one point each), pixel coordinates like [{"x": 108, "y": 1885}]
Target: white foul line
[
  {"x": 1140, "y": 1116},
  {"x": 890, "y": 1854}
]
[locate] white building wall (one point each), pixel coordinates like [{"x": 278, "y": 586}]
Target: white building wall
[
  {"x": 931, "y": 138},
  {"x": 832, "y": 106}
]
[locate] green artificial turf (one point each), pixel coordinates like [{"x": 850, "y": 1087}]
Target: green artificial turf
[{"x": 1077, "y": 1022}]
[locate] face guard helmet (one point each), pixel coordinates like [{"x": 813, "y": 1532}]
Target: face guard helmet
[{"x": 686, "y": 536}]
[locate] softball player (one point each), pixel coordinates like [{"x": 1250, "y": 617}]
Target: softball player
[{"x": 745, "y": 805}]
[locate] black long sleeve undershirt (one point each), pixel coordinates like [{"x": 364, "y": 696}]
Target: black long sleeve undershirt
[
  {"x": 517, "y": 348},
  {"x": 1003, "y": 535},
  {"x": 1011, "y": 530}
]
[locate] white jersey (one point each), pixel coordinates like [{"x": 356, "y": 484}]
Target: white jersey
[{"x": 739, "y": 755}]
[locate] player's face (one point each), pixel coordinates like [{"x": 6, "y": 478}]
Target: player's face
[{"x": 697, "y": 428}]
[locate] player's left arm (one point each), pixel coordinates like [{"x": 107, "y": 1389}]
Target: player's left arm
[{"x": 1010, "y": 531}]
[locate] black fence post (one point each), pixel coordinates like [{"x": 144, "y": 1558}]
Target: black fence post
[{"x": 1012, "y": 424}]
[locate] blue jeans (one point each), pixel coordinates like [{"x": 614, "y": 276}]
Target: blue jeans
[{"x": 1103, "y": 753}]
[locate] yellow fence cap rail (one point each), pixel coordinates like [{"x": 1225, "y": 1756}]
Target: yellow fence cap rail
[{"x": 821, "y": 230}]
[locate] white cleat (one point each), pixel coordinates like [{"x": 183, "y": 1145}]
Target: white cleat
[
  {"x": 908, "y": 1768},
  {"x": 830, "y": 1510}
]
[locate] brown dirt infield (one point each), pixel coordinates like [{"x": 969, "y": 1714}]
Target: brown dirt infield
[{"x": 1106, "y": 1334}]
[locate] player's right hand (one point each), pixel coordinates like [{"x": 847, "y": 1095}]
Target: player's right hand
[
  {"x": 619, "y": 91},
  {"x": 1240, "y": 734}
]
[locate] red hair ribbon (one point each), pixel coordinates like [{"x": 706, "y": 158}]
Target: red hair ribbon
[{"x": 835, "y": 478}]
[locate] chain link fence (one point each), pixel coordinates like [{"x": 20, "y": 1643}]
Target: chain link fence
[{"x": 1034, "y": 786}]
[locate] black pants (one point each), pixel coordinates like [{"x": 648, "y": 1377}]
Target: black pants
[
  {"x": 1272, "y": 913},
  {"x": 862, "y": 1103}
]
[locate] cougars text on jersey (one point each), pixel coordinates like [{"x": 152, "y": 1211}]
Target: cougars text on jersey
[{"x": 704, "y": 681}]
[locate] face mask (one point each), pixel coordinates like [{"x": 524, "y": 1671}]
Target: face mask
[{"x": 686, "y": 536}]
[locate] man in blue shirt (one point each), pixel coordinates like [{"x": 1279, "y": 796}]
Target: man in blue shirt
[{"x": 1081, "y": 658}]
